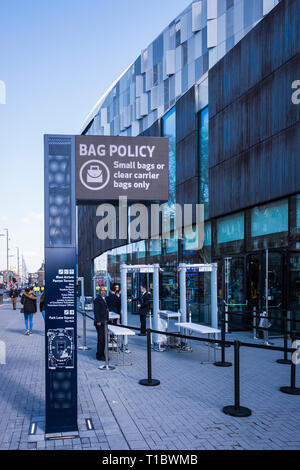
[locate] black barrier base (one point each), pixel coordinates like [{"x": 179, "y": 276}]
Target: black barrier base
[
  {"x": 223, "y": 364},
  {"x": 290, "y": 390},
  {"x": 149, "y": 383},
  {"x": 241, "y": 412},
  {"x": 284, "y": 361}
]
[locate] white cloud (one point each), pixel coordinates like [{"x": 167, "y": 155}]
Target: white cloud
[{"x": 32, "y": 217}]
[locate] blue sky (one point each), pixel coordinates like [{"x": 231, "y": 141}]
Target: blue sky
[{"x": 57, "y": 57}]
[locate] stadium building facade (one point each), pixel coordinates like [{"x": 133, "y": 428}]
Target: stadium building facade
[{"x": 218, "y": 83}]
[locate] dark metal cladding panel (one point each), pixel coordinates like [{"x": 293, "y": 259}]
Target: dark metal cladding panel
[
  {"x": 254, "y": 128},
  {"x": 185, "y": 115},
  {"x": 186, "y": 158}
]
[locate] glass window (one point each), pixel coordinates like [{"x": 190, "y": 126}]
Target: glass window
[
  {"x": 190, "y": 239},
  {"x": 169, "y": 130},
  {"x": 230, "y": 228},
  {"x": 207, "y": 234},
  {"x": 271, "y": 218},
  {"x": 171, "y": 245},
  {"x": 155, "y": 247},
  {"x": 203, "y": 157},
  {"x": 298, "y": 211}
]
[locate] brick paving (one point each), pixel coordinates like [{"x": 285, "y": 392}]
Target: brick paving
[{"x": 184, "y": 412}]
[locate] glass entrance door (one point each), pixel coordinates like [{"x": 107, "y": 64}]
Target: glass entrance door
[
  {"x": 293, "y": 303},
  {"x": 134, "y": 282},
  {"x": 234, "y": 291},
  {"x": 272, "y": 297}
]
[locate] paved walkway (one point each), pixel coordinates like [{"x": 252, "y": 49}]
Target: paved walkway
[{"x": 184, "y": 412}]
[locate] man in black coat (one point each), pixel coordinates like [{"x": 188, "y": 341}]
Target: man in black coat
[
  {"x": 144, "y": 308},
  {"x": 101, "y": 314},
  {"x": 113, "y": 301}
]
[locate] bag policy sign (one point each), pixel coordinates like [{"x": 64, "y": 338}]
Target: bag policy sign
[{"x": 110, "y": 167}]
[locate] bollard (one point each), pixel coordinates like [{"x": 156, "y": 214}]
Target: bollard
[
  {"x": 292, "y": 389},
  {"x": 107, "y": 366},
  {"x": 149, "y": 382},
  {"x": 285, "y": 359},
  {"x": 237, "y": 410},
  {"x": 84, "y": 347},
  {"x": 223, "y": 362},
  {"x": 254, "y": 323}
]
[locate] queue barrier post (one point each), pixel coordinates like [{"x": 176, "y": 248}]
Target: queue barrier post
[
  {"x": 223, "y": 362},
  {"x": 149, "y": 382},
  {"x": 285, "y": 359},
  {"x": 237, "y": 410},
  {"x": 292, "y": 389},
  {"x": 84, "y": 347},
  {"x": 106, "y": 366}
]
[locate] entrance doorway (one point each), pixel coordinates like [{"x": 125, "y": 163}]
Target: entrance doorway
[
  {"x": 135, "y": 281},
  {"x": 245, "y": 281}
]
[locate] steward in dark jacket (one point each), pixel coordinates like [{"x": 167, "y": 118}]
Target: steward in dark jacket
[
  {"x": 144, "y": 308},
  {"x": 101, "y": 315},
  {"x": 113, "y": 301}
]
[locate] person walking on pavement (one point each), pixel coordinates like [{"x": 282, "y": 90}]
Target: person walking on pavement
[
  {"x": 101, "y": 314},
  {"x": 42, "y": 304},
  {"x": 13, "y": 294},
  {"x": 28, "y": 300}
]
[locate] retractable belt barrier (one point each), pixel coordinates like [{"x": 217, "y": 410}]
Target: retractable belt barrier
[{"x": 236, "y": 409}]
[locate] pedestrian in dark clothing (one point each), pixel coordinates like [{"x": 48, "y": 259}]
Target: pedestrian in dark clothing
[
  {"x": 13, "y": 294},
  {"x": 42, "y": 304},
  {"x": 113, "y": 301},
  {"x": 144, "y": 308},
  {"x": 101, "y": 314},
  {"x": 28, "y": 300}
]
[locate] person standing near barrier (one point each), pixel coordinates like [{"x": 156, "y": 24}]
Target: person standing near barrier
[
  {"x": 144, "y": 308},
  {"x": 101, "y": 314},
  {"x": 28, "y": 301},
  {"x": 13, "y": 294},
  {"x": 113, "y": 301}
]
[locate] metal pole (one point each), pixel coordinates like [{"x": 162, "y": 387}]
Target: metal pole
[
  {"x": 155, "y": 299},
  {"x": 267, "y": 282},
  {"x": 182, "y": 283},
  {"x": 292, "y": 389},
  {"x": 285, "y": 359},
  {"x": 214, "y": 296},
  {"x": 149, "y": 382},
  {"x": 223, "y": 362},
  {"x": 254, "y": 323},
  {"x": 18, "y": 261},
  {"x": 106, "y": 366},
  {"x": 237, "y": 410},
  {"x": 84, "y": 347},
  {"x": 124, "y": 315},
  {"x": 7, "y": 256}
]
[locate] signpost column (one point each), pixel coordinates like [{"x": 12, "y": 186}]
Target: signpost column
[{"x": 60, "y": 285}]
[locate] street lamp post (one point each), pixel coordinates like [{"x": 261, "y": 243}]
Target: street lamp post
[
  {"x": 7, "y": 249},
  {"x": 2, "y": 235}
]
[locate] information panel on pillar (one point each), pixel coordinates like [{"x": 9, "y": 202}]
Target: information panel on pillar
[{"x": 110, "y": 167}]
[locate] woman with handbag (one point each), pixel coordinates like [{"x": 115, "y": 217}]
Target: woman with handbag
[{"x": 28, "y": 300}]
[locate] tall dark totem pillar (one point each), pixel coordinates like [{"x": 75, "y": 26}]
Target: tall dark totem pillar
[{"x": 60, "y": 284}]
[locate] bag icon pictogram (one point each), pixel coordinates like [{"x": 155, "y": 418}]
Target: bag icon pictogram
[{"x": 94, "y": 174}]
